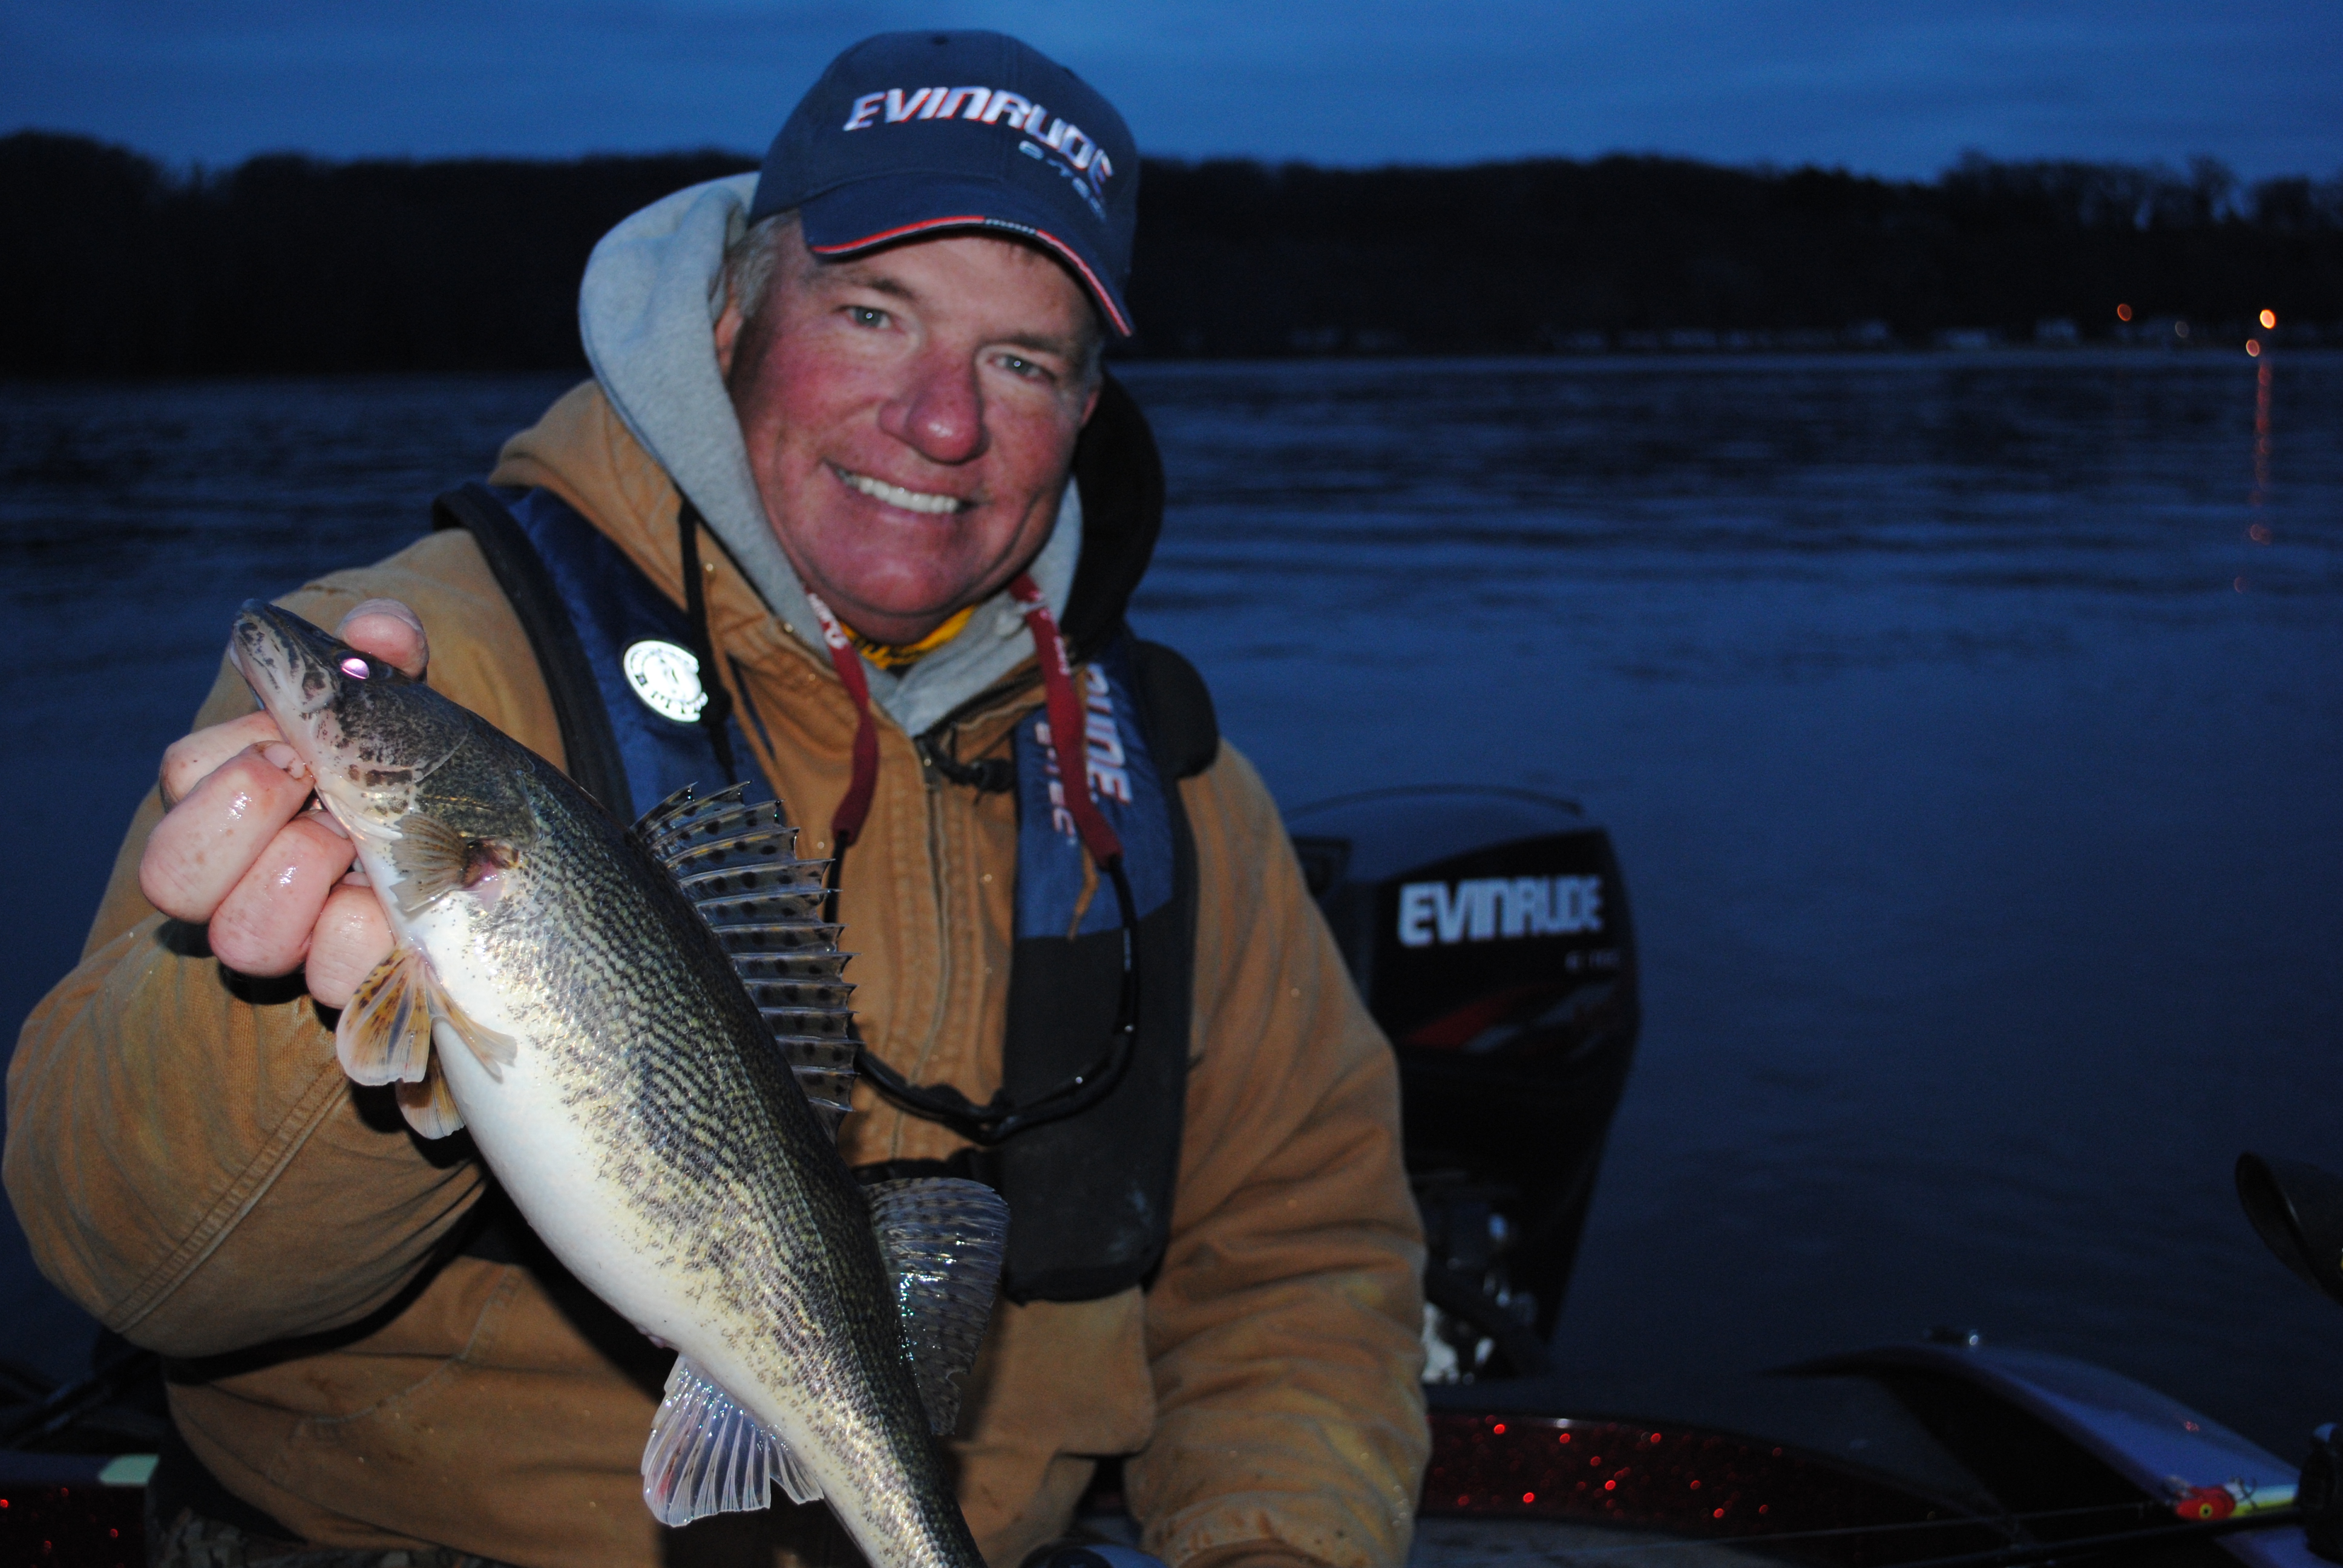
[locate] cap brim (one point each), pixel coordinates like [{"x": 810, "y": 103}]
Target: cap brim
[{"x": 888, "y": 209}]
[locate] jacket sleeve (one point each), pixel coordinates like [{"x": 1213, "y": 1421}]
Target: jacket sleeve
[
  {"x": 186, "y": 1158},
  {"x": 1284, "y": 1329}
]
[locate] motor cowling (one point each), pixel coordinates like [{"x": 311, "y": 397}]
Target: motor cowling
[{"x": 1488, "y": 932}]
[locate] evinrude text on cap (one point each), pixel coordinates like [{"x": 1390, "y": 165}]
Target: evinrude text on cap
[{"x": 915, "y": 132}]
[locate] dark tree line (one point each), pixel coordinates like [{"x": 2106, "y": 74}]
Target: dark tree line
[
  {"x": 115, "y": 266},
  {"x": 291, "y": 264},
  {"x": 1236, "y": 258}
]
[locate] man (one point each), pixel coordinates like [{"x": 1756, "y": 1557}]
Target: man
[{"x": 834, "y": 415}]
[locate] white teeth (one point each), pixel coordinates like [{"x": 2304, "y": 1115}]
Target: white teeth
[{"x": 896, "y": 495}]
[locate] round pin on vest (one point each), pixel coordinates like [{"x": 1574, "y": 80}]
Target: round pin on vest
[{"x": 666, "y": 678}]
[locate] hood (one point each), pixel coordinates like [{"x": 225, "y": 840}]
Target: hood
[{"x": 647, "y": 310}]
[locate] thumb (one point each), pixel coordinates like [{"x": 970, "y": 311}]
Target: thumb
[{"x": 386, "y": 630}]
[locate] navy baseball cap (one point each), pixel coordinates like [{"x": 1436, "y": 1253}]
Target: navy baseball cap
[{"x": 910, "y": 134}]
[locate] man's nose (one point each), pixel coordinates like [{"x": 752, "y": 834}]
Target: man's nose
[{"x": 938, "y": 411}]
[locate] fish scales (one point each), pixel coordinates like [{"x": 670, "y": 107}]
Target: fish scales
[
  {"x": 698, "y": 1139},
  {"x": 701, "y": 1161}
]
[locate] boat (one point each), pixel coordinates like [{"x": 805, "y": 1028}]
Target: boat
[{"x": 1490, "y": 932}]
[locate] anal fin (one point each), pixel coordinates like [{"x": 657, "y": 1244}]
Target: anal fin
[
  {"x": 708, "y": 1455},
  {"x": 944, "y": 1238}
]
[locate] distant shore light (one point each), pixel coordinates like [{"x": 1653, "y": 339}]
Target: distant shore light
[
  {"x": 2123, "y": 313},
  {"x": 2270, "y": 318},
  {"x": 2252, "y": 346}
]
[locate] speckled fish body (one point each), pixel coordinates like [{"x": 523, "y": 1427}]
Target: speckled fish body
[{"x": 619, "y": 1079}]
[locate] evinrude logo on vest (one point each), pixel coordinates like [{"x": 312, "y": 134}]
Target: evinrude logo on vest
[
  {"x": 666, "y": 678},
  {"x": 1102, "y": 754},
  {"x": 1487, "y": 908}
]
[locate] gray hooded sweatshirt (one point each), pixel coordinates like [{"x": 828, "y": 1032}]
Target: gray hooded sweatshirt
[{"x": 647, "y": 310}]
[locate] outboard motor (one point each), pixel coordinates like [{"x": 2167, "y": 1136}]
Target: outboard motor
[{"x": 1488, "y": 931}]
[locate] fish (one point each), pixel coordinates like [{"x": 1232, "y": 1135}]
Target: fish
[{"x": 646, "y": 1031}]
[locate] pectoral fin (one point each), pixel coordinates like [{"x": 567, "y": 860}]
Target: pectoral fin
[
  {"x": 944, "y": 1238},
  {"x": 430, "y": 859},
  {"x": 708, "y": 1455}
]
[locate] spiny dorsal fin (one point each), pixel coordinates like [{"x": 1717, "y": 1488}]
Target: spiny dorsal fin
[
  {"x": 690, "y": 834},
  {"x": 943, "y": 1237},
  {"x": 737, "y": 864},
  {"x": 708, "y": 1455}
]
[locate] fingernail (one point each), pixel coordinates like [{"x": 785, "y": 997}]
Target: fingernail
[{"x": 389, "y": 607}]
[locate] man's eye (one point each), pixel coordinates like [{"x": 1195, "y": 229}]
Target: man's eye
[
  {"x": 866, "y": 316},
  {"x": 1018, "y": 365}
]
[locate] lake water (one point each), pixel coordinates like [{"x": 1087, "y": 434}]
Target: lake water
[{"x": 1970, "y": 728}]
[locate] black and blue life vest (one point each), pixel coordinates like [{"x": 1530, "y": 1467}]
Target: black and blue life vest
[{"x": 1089, "y": 1194}]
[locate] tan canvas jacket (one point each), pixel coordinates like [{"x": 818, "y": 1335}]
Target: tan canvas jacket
[{"x": 191, "y": 1165}]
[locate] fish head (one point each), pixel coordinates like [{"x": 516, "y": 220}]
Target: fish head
[{"x": 373, "y": 737}]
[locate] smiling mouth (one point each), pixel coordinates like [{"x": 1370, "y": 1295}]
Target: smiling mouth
[{"x": 897, "y": 495}]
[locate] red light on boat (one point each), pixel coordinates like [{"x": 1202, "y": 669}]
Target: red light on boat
[
  {"x": 1499, "y": 1429},
  {"x": 2205, "y": 1502},
  {"x": 1529, "y": 1497},
  {"x": 1609, "y": 1486},
  {"x": 1565, "y": 1437},
  {"x": 1696, "y": 1486},
  {"x": 2123, "y": 313},
  {"x": 1719, "y": 1513}
]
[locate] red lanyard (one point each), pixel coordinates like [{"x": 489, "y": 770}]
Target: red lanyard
[
  {"x": 1067, "y": 738},
  {"x": 1067, "y": 741},
  {"x": 856, "y": 806}
]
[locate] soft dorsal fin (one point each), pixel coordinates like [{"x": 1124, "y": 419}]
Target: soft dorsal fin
[
  {"x": 943, "y": 1238},
  {"x": 738, "y": 863},
  {"x": 708, "y": 1455}
]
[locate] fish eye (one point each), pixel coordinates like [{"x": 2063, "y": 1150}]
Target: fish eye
[{"x": 356, "y": 667}]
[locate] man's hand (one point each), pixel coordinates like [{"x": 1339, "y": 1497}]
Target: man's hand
[{"x": 237, "y": 852}]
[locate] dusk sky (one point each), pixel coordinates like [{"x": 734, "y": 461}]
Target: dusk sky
[{"x": 1898, "y": 89}]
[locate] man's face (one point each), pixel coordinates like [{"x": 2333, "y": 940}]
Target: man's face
[{"x": 911, "y": 418}]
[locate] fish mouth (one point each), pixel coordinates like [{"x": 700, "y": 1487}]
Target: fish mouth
[
  {"x": 288, "y": 663},
  {"x": 316, "y": 687}
]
